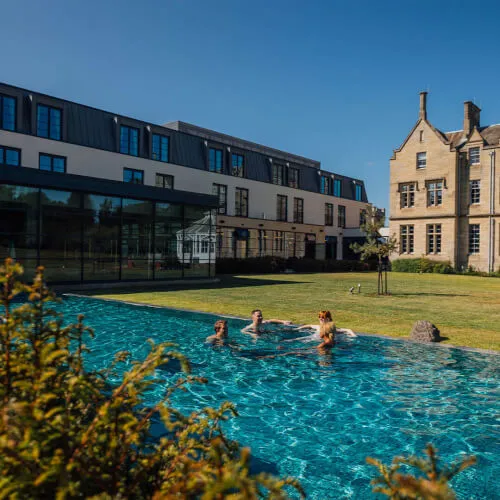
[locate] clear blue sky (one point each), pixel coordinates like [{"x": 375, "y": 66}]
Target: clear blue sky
[{"x": 334, "y": 81}]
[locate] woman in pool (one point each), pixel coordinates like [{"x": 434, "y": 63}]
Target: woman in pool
[
  {"x": 221, "y": 332},
  {"x": 325, "y": 317}
]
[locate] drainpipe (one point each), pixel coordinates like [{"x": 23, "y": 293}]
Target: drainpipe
[{"x": 491, "y": 259}]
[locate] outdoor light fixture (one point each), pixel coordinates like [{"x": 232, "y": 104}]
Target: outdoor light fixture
[{"x": 359, "y": 287}]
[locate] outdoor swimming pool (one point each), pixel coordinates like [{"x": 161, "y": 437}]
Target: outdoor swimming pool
[{"x": 318, "y": 417}]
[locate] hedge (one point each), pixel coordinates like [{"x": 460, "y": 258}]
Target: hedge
[{"x": 422, "y": 266}]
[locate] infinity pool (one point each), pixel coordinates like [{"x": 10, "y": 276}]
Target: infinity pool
[{"x": 317, "y": 417}]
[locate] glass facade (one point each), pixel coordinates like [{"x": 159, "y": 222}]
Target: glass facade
[
  {"x": 86, "y": 237},
  {"x": 129, "y": 140},
  {"x": 215, "y": 160},
  {"x": 7, "y": 112},
  {"x": 48, "y": 122},
  {"x": 159, "y": 146}
]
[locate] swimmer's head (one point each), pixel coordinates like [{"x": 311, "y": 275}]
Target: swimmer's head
[
  {"x": 325, "y": 317},
  {"x": 220, "y": 327},
  {"x": 257, "y": 316}
]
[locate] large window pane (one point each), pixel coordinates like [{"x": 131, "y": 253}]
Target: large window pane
[
  {"x": 101, "y": 242},
  {"x": 7, "y": 113},
  {"x": 168, "y": 231},
  {"x": 18, "y": 226},
  {"x": 199, "y": 237},
  {"x": 61, "y": 234}
]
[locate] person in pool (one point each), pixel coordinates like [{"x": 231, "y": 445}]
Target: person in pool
[
  {"x": 258, "y": 322},
  {"x": 325, "y": 317},
  {"x": 221, "y": 332}
]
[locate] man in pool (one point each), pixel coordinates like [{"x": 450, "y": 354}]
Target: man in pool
[
  {"x": 221, "y": 332},
  {"x": 258, "y": 322}
]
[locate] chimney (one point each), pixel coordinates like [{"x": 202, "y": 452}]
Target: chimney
[
  {"x": 423, "y": 106},
  {"x": 471, "y": 117}
]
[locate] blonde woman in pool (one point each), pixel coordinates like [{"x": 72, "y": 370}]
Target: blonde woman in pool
[{"x": 325, "y": 318}]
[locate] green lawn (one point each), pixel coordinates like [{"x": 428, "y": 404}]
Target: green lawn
[{"x": 465, "y": 309}]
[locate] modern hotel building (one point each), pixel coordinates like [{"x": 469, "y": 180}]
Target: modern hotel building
[{"x": 96, "y": 196}]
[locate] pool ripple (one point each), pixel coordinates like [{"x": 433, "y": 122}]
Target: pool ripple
[{"x": 318, "y": 417}]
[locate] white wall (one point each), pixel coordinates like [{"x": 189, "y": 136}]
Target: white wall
[{"x": 104, "y": 164}]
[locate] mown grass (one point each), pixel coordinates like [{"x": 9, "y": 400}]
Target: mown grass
[{"x": 465, "y": 308}]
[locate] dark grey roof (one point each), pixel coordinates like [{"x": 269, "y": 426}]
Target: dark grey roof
[
  {"x": 87, "y": 126},
  {"x": 490, "y": 134},
  {"x": 212, "y": 135}
]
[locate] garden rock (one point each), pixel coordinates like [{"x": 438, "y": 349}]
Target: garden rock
[{"x": 424, "y": 331}]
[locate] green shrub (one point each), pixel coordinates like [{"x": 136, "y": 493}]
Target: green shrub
[
  {"x": 406, "y": 265},
  {"x": 66, "y": 433},
  {"x": 422, "y": 266}
]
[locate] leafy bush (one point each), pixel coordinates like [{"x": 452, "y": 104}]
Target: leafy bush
[
  {"x": 65, "y": 432},
  {"x": 422, "y": 266},
  {"x": 431, "y": 483}
]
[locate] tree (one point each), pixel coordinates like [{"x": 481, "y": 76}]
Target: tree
[
  {"x": 375, "y": 245},
  {"x": 66, "y": 432}
]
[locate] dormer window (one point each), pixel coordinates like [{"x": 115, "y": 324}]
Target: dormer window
[{"x": 421, "y": 160}]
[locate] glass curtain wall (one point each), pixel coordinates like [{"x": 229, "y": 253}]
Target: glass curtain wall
[{"x": 89, "y": 237}]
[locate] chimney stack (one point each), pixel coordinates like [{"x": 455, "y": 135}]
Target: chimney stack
[
  {"x": 472, "y": 116},
  {"x": 423, "y": 106}
]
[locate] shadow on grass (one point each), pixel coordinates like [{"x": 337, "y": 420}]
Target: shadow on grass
[
  {"x": 225, "y": 282},
  {"x": 427, "y": 294}
]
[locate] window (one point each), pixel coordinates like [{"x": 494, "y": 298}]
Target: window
[
  {"x": 325, "y": 185},
  {"x": 279, "y": 240},
  {"x": 133, "y": 176},
  {"x": 434, "y": 238},
  {"x": 241, "y": 203},
  {"x": 215, "y": 160},
  {"x": 7, "y": 112},
  {"x": 220, "y": 191},
  {"x": 407, "y": 195},
  {"x": 358, "y": 192},
  {"x": 238, "y": 169},
  {"x": 434, "y": 193},
  {"x": 165, "y": 181},
  {"x": 474, "y": 156},
  {"x": 159, "y": 147},
  {"x": 298, "y": 210},
  {"x": 362, "y": 217},
  {"x": 406, "y": 239},
  {"x": 293, "y": 177},
  {"x": 475, "y": 192},
  {"x": 328, "y": 214},
  {"x": 10, "y": 156},
  {"x": 278, "y": 174},
  {"x": 421, "y": 136},
  {"x": 421, "y": 160},
  {"x": 474, "y": 238},
  {"x": 341, "y": 216},
  {"x": 204, "y": 246},
  {"x": 52, "y": 163},
  {"x": 49, "y": 122},
  {"x": 337, "y": 187},
  {"x": 282, "y": 208},
  {"x": 129, "y": 140}
]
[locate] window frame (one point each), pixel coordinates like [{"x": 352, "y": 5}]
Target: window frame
[
  {"x": 324, "y": 185},
  {"x": 358, "y": 192},
  {"x": 222, "y": 208},
  {"x": 434, "y": 239},
  {"x": 280, "y": 215},
  {"x": 2, "y": 125},
  {"x": 407, "y": 194},
  {"x": 435, "y": 193},
  {"x": 421, "y": 164},
  {"x": 163, "y": 177},
  {"x": 52, "y": 157},
  {"x": 134, "y": 171},
  {"x": 239, "y": 191},
  {"x": 477, "y": 150},
  {"x": 49, "y": 121},
  {"x": 475, "y": 192},
  {"x": 129, "y": 127},
  {"x": 341, "y": 216},
  {"x": 298, "y": 210},
  {"x": 4, "y": 161},
  {"x": 160, "y": 138},
  {"x": 294, "y": 180},
  {"x": 329, "y": 211},
  {"x": 216, "y": 150},
  {"x": 407, "y": 239},
  {"x": 240, "y": 168},
  {"x": 278, "y": 180},
  {"x": 474, "y": 239},
  {"x": 337, "y": 183}
]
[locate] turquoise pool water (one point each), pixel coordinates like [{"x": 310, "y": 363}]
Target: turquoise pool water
[{"x": 318, "y": 417}]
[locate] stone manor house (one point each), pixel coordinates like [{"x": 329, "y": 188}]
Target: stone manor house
[{"x": 444, "y": 196}]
